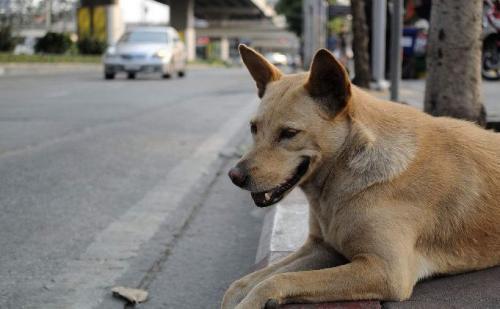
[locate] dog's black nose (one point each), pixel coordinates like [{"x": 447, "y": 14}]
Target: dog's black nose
[{"x": 238, "y": 176}]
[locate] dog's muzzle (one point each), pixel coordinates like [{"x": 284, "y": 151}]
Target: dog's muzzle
[{"x": 273, "y": 196}]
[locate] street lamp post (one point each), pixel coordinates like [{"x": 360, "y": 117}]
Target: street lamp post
[
  {"x": 378, "y": 43},
  {"x": 314, "y": 29},
  {"x": 396, "y": 31}
]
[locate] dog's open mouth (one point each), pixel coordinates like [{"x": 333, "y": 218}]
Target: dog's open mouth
[{"x": 273, "y": 196}]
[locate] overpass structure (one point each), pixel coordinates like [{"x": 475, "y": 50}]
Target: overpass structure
[{"x": 229, "y": 22}]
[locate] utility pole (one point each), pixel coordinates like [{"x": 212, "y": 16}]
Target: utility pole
[
  {"x": 48, "y": 15},
  {"x": 378, "y": 43},
  {"x": 315, "y": 12},
  {"x": 396, "y": 32}
]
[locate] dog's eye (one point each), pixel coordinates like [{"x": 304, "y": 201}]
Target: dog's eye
[
  {"x": 253, "y": 128},
  {"x": 288, "y": 133}
]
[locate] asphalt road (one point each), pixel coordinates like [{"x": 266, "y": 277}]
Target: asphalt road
[{"x": 122, "y": 183}]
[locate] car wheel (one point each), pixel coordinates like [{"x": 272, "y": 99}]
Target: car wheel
[
  {"x": 131, "y": 75},
  {"x": 166, "y": 76},
  {"x": 181, "y": 73},
  {"x": 109, "y": 75}
]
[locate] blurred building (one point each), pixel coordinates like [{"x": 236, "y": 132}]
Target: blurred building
[
  {"x": 211, "y": 29},
  {"x": 107, "y": 20},
  {"x": 217, "y": 27}
]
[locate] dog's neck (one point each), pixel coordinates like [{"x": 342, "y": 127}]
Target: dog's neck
[{"x": 371, "y": 153}]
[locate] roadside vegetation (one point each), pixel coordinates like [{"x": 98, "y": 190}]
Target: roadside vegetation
[
  {"x": 51, "y": 48},
  {"x": 48, "y": 58}
]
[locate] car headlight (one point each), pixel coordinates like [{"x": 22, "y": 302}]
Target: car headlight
[
  {"x": 110, "y": 51},
  {"x": 162, "y": 54}
]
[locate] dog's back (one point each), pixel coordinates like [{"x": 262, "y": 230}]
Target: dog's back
[
  {"x": 466, "y": 160},
  {"x": 455, "y": 181}
]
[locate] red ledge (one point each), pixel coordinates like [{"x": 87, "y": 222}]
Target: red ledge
[{"x": 338, "y": 305}]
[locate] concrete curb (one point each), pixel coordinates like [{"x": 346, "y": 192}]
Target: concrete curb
[{"x": 284, "y": 230}]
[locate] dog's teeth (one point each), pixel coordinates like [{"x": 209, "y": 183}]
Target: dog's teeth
[{"x": 267, "y": 195}]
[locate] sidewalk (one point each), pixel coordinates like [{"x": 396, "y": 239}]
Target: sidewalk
[{"x": 413, "y": 93}]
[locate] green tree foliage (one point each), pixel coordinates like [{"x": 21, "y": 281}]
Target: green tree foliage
[
  {"x": 292, "y": 10},
  {"x": 53, "y": 43},
  {"x": 90, "y": 45},
  {"x": 7, "y": 42}
]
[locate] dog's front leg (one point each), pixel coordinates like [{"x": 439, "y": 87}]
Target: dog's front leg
[
  {"x": 312, "y": 255},
  {"x": 366, "y": 277}
]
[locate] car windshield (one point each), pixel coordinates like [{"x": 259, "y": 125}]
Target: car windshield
[{"x": 144, "y": 37}]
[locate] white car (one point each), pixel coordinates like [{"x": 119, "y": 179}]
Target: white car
[
  {"x": 146, "y": 49},
  {"x": 278, "y": 59}
]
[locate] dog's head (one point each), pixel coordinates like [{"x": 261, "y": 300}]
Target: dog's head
[{"x": 301, "y": 122}]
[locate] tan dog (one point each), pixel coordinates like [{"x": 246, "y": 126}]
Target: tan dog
[{"x": 395, "y": 193}]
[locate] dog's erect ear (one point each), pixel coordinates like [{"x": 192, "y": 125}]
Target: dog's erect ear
[
  {"x": 261, "y": 70},
  {"x": 328, "y": 82}
]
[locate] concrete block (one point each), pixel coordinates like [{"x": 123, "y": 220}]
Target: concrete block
[{"x": 285, "y": 228}]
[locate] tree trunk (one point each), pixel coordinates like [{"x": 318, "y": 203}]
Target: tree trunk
[
  {"x": 360, "y": 44},
  {"x": 453, "y": 85}
]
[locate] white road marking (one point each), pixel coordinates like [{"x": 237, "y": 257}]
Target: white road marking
[{"x": 84, "y": 282}]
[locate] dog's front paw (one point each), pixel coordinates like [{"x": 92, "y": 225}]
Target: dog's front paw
[
  {"x": 263, "y": 296},
  {"x": 234, "y": 294},
  {"x": 258, "y": 304}
]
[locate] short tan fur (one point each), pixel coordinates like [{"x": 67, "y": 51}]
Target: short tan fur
[{"x": 398, "y": 194}]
